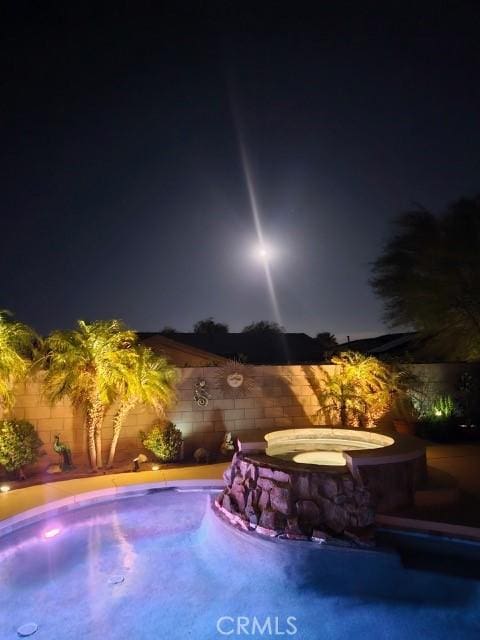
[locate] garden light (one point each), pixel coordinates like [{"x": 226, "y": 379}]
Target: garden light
[{"x": 5, "y": 488}]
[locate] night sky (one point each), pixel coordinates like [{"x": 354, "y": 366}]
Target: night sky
[{"x": 123, "y": 191}]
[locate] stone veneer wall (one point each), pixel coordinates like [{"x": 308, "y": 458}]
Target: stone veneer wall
[
  {"x": 282, "y": 396},
  {"x": 281, "y": 498}
]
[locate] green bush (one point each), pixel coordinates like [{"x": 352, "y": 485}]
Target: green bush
[
  {"x": 19, "y": 444},
  {"x": 164, "y": 441}
]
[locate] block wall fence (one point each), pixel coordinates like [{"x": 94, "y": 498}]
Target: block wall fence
[{"x": 282, "y": 396}]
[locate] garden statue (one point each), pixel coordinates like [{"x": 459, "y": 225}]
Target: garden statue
[
  {"x": 200, "y": 394},
  {"x": 201, "y": 456},
  {"x": 227, "y": 447},
  {"x": 63, "y": 450},
  {"x": 138, "y": 460}
]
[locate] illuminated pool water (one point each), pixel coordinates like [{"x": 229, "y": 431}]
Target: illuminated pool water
[
  {"x": 162, "y": 565},
  {"x": 322, "y": 458}
]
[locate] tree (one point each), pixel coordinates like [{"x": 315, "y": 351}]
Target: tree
[
  {"x": 168, "y": 331},
  {"x": 428, "y": 276},
  {"x": 359, "y": 390},
  {"x": 17, "y": 343},
  {"x": 263, "y": 327},
  {"x": 89, "y": 366},
  {"x": 327, "y": 340},
  {"x": 210, "y": 327},
  {"x": 149, "y": 381}
]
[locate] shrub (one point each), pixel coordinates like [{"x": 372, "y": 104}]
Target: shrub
[
  {"x": 164, "y": 441},
  {"x": 19, "y": 444},
  {"x": 443, "y": 408}
]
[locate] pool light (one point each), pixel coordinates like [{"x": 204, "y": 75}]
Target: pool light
[
  {"x": 51, "y": 533},
  {"x": 27, "y": 629}
]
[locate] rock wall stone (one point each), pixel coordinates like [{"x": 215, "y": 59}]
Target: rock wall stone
[{"x": 298, "y": 503}]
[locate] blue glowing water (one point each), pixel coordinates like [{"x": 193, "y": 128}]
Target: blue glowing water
[{"x": 183, "y": 570}]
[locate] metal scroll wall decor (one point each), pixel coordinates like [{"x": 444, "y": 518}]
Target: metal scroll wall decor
[{"x": 200, "y": 393}]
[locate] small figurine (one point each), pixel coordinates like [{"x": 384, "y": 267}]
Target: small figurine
[
  {"x": 227, "y": 447},
  {"x": 66, "y": 453},
  {"x": 201, "y": 456},
  {"x": 138, "y": 460}
]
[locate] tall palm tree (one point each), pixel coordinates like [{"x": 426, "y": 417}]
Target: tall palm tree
[
  {"x": 17, "y": 343},
  {"x": 88, "y": 365},
  {"x": 150, "y": 381}
]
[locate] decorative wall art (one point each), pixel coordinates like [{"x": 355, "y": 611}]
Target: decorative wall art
[
  {"x": 235, "y": 379},
  {"x": 200, "y": 393}
]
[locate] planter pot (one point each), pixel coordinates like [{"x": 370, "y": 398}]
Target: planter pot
[{"x": 404, "y": 427}]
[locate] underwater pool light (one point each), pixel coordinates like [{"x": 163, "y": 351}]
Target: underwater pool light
[{"x": 51, "y": 533}]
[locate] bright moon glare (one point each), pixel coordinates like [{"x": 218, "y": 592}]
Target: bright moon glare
[{"x": 264, "y": 253}]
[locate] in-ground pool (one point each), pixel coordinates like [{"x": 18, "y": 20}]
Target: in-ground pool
[{"x": 163, "y": 565}]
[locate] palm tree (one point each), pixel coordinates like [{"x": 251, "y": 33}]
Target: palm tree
[
  {"x": 359, "y": 391},
  {"x": 88, "y": 365},
  {"x": 17, "y": 342},
  {"x": 150, "y": 381}
]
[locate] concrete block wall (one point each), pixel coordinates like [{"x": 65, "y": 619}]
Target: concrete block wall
[{"x": 281, "y": 396}]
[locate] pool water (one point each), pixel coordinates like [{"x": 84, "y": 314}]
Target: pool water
[
  {"x": 162, "y": 565},
  {"x": 322, "y": 458}
]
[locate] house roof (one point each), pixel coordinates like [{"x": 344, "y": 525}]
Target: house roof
[
  {"x": 379, "y": 344},
  {"x": 409, "y": 346},
  {"x": 254, "y": 348},
  {"x": 178, "y": 353}
]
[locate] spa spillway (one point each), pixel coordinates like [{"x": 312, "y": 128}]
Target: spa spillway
[{"x": 320, "y": 481}]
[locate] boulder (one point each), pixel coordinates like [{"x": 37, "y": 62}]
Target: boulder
[
  {"x": 273, "y": 520},
  {"x": 265, "y": 472},
  {"x": 280, "y": 500},
  {"x": 293, "y": 530},
  {"x": 264, "y": 501},
  {"x": 309, "y": 515},
  {"x": 336, "y": 518},
  {"x": 302, "y": 486},
  {"x": 329, "y": 487},
  {"x": 237, "y": 493},
  {"x": 252, "y": 516},
  {"x": 265, "y": 483},
  {"x": 281, "y": 476}
]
